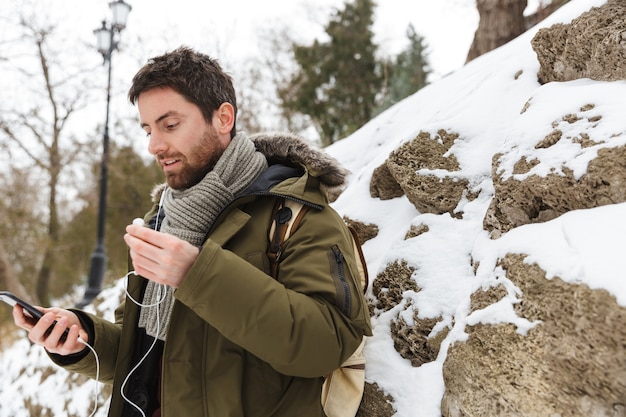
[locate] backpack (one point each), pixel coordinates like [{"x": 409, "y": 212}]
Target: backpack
[{"x": 342, "y": 389}]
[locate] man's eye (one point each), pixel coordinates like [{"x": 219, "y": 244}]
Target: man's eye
[{"x": 172, "y": 125}]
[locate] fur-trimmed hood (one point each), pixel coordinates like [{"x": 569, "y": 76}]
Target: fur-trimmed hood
[{"x": 289, "y": 149}]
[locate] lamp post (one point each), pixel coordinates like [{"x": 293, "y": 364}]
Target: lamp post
[{"x": 107, "y": 43}]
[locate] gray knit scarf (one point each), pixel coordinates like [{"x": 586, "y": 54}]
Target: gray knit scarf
[{"x": 190, "y": 213}]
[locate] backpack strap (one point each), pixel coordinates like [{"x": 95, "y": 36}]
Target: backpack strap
[{"x": 286, "y": 217}]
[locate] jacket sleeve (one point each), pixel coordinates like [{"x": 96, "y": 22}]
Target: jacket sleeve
[{"x": 304, "y": 323}]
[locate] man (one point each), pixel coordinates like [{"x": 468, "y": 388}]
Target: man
[{"x": 205, "y": 329}]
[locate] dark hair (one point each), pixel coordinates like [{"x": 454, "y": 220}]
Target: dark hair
[{"x": 197, "y": 77}]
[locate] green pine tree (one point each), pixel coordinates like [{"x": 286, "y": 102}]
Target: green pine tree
[
  {"x": 337, "y": 82},
  {"x": 407, "y": 73}
]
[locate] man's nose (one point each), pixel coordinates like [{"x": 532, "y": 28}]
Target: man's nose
[{"x": 156, "y": 144}]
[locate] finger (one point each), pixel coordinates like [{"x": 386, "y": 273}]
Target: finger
[
  {"x": 66, "y": 345},
  {"x": 150, "y": 236},
  {"x": 38, "y": 333},
  {"x": 142, "y": 250},
  {"x": 60, "y": 338},
  {"x": 147, "y": 273},
  {"x": 144, "y": 258},
  {"x": 81, "y": 333},
  {"x": 56, "y": 332},
  {"x": 143, "y": 265},
  {"x": 20, "y": 319}
]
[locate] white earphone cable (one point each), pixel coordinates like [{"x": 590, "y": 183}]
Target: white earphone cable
[
  {"x": 161, "y": 293},
  {"x": 97, "y": 383},
  {"x": 160, "y": 297}
]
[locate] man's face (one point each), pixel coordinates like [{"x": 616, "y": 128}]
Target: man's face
[{"x": 183, "y": 143}]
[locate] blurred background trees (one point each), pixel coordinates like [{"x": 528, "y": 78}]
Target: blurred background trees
[
  {"x": 50, "y": 176},
  {"x": 406, "y": 73},
  {"x": 131, "y": 180},
  {"x": 51, "y": 172},
  {"x": 337, "y": 81},
  {"x": 35, "y": 129},
  {"x": 343, "y": 82}
]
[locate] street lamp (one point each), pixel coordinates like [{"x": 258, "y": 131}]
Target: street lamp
[{"x": 107, "y": 43}]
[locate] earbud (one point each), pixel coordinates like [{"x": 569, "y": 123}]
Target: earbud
[{"x": 138, "y": 221}]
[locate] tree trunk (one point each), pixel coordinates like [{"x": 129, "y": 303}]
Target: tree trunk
[
  {"x": 49, "y": 260},
  {"x": 8, "y": 279},
  {"x": 545, "y": 9},
  {"x": 500, "y": 22}
]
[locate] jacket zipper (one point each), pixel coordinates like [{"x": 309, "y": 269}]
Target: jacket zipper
[{"x": 339, "y": 259}]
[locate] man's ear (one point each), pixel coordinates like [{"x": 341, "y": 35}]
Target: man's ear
[{"x": 224, "y": 118}]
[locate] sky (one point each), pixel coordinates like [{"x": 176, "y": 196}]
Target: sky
[
  {"x": 482, "y": 101},
  {"x": 448, "y": 25},
  {"x": 234, "y": 26}
]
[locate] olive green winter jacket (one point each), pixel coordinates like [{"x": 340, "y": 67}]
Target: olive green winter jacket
[{"x": 241, "y": 343}]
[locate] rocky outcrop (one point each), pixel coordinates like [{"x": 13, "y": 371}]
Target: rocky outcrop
[
  {"x": 571, "y": 364},
  {"x": 391, "y": 283},
  {"x": 521, "y": 199},
  {"x": 413, "y": 341},
  {"x": 375, "y": 403},
  {"x": 363, "y": 231},
  {"x": 383, "y": 185},
  {"x": 424, "y": 173},
  {"x": 592, "y": 46}
]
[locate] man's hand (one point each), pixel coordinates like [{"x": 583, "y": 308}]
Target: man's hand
[
  {"x": 41, "y": 334},
  {"x": 159, "y": 257}
]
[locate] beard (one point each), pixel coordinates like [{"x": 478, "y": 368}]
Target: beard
[{"x": 200, "y": 161}]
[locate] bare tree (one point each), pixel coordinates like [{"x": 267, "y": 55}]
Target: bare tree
[
  {"x": 35, "y": 127},
  {"x": 258, "y": 79}
]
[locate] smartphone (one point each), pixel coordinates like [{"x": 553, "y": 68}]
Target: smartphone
[{"x": 11, "y": 299}]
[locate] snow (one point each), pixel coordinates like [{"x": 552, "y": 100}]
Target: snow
[{"x": 483, "y": 102}]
